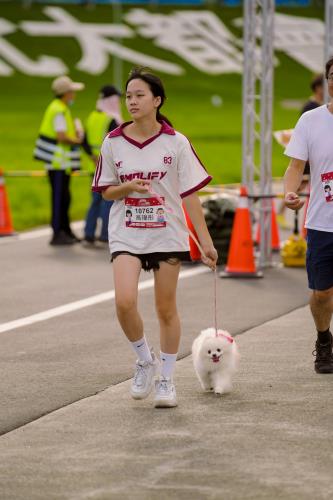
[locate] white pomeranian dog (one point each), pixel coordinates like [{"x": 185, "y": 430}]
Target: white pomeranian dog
[{"x": 215, "y": 360}]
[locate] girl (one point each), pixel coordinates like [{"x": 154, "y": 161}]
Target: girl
[{"x": 140, "y": 157}]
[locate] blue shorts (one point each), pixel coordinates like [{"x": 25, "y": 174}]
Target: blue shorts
[{"x": 319, "y": 259}]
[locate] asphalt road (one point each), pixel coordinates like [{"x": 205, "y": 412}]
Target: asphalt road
[{"x": 49, "y": 364}]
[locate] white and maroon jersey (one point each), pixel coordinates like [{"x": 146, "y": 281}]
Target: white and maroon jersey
[{"x": 142, "y": 223}]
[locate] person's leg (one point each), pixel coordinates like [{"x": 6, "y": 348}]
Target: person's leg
[
  {"x": 166, "y": 279},
  {"x": 59, "y": 236},
  {"x": 55, "y": 200},
  {"x": 66, "y": 201},
  {"x": 126, "y": 271},
  {"x": 319, "y": 264},
  {"x": 104, "y": 214},
  {"x": 92, "y": 216},
  {"x": 321, "y": 305}
]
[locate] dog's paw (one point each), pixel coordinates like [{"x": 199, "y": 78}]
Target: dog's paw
[
  {"x": 219, "y": 391},
  {"x": 207, "y": 388}
]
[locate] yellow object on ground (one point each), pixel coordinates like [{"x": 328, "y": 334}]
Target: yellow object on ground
[
  {"x": 282, "y": 221},
  {"x": 293, "y": 251}
]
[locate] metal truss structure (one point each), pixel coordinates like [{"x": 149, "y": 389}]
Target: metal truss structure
[{"x": 257, "y": 112}]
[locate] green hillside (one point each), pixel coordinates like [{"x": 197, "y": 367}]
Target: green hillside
[{"x": 214, "y": 131}]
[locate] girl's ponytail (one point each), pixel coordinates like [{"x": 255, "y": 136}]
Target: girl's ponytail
[{"x": 162, "y": 118}]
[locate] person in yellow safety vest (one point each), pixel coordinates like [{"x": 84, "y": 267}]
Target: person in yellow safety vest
[
  {"x": 58, "y": 146},
  {"x": 106, "y": 117}
]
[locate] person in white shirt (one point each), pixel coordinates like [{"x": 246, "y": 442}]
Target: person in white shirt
[
  {"x": 312, "y": 141},
  {"x": 148, "y": 168}
]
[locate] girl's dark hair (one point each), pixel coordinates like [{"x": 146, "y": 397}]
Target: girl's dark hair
[
  {"x": 328, "y": 66},
  {"x": 155, "y": 85}
]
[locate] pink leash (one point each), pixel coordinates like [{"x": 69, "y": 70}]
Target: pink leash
[{"x": 170, "y": 211}]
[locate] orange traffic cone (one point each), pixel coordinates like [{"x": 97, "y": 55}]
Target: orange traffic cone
[
  {"x": 241, "y": 262},
  {"x": 275, "y": 242},
  {"x": 6, "y": 228},
  {"x": 194, "y": 250}
]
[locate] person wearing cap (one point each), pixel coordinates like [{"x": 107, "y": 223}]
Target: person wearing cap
[
  {"x": 103, "y": 119},
  {"x": 57, "y": 146}
]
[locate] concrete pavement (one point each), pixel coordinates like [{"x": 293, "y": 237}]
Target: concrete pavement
[
  {"x": 47, "y": 365},
  {"x": 270, "y": 439},
  {"x": 70, "y": 431}
]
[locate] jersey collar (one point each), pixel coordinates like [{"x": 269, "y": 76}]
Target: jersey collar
[{"x": 119, "y": 131}]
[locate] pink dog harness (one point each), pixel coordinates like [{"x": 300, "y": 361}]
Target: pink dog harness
[{"x": 229, "y": 339}]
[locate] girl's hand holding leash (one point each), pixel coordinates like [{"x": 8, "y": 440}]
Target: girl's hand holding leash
[
  {"x": 210, "y": 257},
  {"x": 139, "y": 186}
]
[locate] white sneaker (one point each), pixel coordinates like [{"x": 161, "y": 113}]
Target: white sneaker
[
  {"x": 143, "y": 379},
  {"x": 165, "y": 393}
]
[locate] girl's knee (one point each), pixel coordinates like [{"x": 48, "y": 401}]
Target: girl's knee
[
  {"x": 125, "y": 305},
  {"x": 166, "y": 312}
]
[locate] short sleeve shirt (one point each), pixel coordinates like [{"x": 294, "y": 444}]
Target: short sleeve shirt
[
  {"x": 139, "y": 223},
  {"x": 312, "y": 140},
  {"x": 59, "y": 123}
]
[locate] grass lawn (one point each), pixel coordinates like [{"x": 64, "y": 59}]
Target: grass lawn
[{"x": 214, "y": 131}]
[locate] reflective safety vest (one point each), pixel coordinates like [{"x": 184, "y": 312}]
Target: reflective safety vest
[
  {"x": 55, "y": 155},
  {"x": 97, "y": 126}
]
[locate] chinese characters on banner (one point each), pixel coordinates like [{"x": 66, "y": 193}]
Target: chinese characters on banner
[{"x": 198, "y": 37}]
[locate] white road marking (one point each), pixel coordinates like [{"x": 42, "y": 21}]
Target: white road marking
[
  {"x": 90, "y": 301},
  {"x": 36, "y": 233}
]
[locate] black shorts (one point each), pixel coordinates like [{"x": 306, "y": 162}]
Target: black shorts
[
  {"x": 319, "y": 259},
  {"x": 151, "y": 261}
]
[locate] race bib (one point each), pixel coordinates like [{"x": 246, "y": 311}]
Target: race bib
[
  {"x": 145, "y": 212},
  {"x": 327, "y": 181}
]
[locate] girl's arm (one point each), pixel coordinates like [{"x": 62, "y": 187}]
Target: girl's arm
[
  {"x": 194, "y": 209},
  {"x": 123, "y": 190}
]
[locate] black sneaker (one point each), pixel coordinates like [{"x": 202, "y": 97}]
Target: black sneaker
[
  {"x": 75, "y": 238},
  {"x": 324, "y": 357},
  {"x": 61, "y": 239}
]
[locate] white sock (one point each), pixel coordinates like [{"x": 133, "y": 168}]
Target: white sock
[
  {"x": 142, "y": 350},
  {"x": 168, "y": 364}
]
